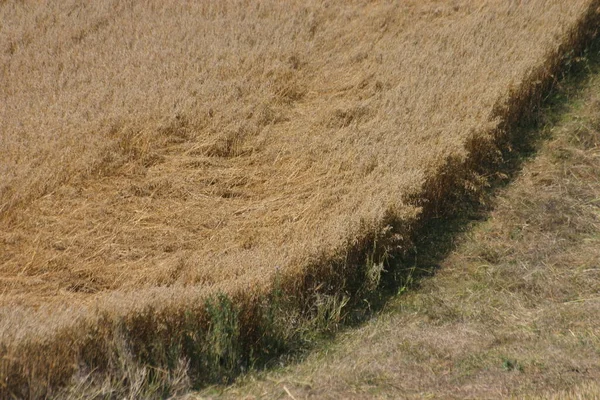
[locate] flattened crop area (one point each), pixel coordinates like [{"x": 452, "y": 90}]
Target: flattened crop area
[{"x": 152, "y": 153}]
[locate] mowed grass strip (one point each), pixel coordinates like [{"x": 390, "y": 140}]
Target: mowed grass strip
[
  {"x": 512, "y": 311},
  {"x": 154, "y": 154}
]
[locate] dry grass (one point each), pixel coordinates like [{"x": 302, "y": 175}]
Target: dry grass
[
  {"x": 512, "y": 312},
  {"x": 155, "y": 153}
]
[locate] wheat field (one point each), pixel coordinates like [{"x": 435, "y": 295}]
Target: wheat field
[{"x": 154, "y": 153}]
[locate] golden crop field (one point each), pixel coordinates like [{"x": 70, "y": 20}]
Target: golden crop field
[{"x": 154, "y": 153}]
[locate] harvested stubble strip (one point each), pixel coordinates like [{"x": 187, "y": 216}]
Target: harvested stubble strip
[{"x": 154, "y": 154}]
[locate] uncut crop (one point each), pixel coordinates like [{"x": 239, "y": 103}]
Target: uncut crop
[{"x": 153, "y": 153}]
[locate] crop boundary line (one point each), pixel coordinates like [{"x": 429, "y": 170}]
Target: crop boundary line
[{"x": 305, "y": 296}]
